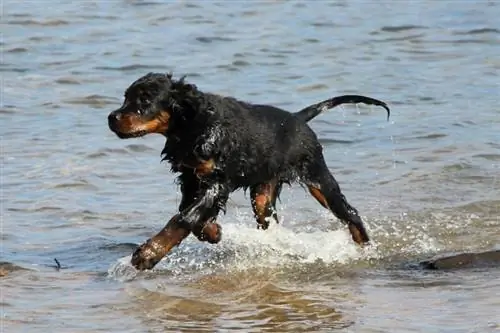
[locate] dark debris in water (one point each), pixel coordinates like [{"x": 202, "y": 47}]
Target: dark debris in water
[
  {"x": 58, "y": 264},
  {"x": 463, "y": 261}
]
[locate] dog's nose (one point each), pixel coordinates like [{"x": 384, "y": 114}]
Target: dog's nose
[
  {"x": 114, "y": 116},
  {"x": 113, "y": 120}
]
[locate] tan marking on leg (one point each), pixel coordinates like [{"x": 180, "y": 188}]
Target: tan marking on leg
[
  {"x": 204, "y": 168},
  {"x": 316, "y": 193},
  {"x": 151, "y": 252}
]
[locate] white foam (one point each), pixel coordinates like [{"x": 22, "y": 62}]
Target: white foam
[
  {"x": 292, "y": 241},
  {"x": 244, "y": 246},
  {"x": 279, "y": 244},
  {"x": 122, "y": 269}
]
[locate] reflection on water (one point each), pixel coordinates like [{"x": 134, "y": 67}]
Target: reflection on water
[{"x": 426, "y": 182}]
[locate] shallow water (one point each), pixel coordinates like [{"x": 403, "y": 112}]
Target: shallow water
[{"x": 426, "y": 182}]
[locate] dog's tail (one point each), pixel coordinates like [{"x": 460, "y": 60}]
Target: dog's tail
[{"x": 312, "y": 111}]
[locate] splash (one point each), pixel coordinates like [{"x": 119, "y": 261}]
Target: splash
[
  {"x": 243, "y": 246},
  {"x": 296, "y": 243}
]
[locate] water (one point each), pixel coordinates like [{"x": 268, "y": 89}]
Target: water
[{"x": 426, "y": 182}]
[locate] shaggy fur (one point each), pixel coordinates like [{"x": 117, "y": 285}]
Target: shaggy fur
[{"x": 219, "y": 144}]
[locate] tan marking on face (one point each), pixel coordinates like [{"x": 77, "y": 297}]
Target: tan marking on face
[{"x": 131, "y": 123}]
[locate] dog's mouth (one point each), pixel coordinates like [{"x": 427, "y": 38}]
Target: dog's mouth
[
  {"x": 132, "y": 125},
  {"x": 130, "y": 135}
]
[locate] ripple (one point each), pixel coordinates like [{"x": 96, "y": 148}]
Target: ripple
[
  {"x": 119, "y": 247},
  {"x": 97, "y": 101},
  {"x": 48, "y": 23},
  {"x": 329, "y": 141},
  {"x": 51, "y": 105},
  {"x": 229, "y": 68},
  {"x": 17, "y": 50},
  {"x": 312, "y": 87},
  {"x": 40, "y": 38},
  {"x": 489, "y": 157},
  {"x": 67, "y": 80},
  {"x": 465, "y": 41},
  {"x": 133, "y": 67},
  {"x": 76, "y": 185},
  {"x": 47, "y": 209},
  {"x": 324, "y": 24},
  {"x": 457, "y": 167},
  {"x": 103, "y": 152},
  {"x": 14, "y": 69},
  {"x": 8, "y": 109},
  {"x": 99, "y": 16},
  {"x": 241, "y": 63},
  {"x": 208, "y": 40},
  {"x": 411, "y": 38},
  {"x": 431, "y": 136},
  {"x": 399, "y": 28},
  {"x": 278, "y": 51},
  {"x": 138, "y": 148},
  {"x": 144, "y": 3},
  {"x": 478, "y": 31}
]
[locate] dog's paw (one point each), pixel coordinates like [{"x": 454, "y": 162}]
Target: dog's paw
[
  {"x": 212, "y": 232},
  {"x": 146, "y": 256},
  {"x": 263, "y": 226},
  {"x": 359, "y": 234}
]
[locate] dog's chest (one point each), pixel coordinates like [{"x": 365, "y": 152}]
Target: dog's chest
[{"x": 198, "y": 151}]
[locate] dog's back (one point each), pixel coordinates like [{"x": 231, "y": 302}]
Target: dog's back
[{"x": 260, "y": 142}]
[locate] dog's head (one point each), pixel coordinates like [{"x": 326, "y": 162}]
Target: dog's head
[{"x": 155, "y": 103}]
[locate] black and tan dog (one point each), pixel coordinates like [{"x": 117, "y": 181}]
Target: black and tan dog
[{"x": 219, "y": 144}]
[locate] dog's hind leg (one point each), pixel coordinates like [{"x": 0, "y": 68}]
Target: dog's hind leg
[
  {"x": 263, "y": 198},
  {"x": 324, "y": 188}
]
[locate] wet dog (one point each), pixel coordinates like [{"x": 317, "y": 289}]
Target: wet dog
[{"x": 219, "y": 144}]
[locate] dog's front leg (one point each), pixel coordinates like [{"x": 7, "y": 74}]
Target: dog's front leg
[
  {"x": 201, "y": 215},
  {"x": 155, "y": 248},
  {"x": 193, "y": 218}
]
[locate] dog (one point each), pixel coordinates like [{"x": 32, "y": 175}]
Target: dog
[{"x": 220, "y": 144}]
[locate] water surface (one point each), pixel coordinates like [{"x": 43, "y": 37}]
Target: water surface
[{"x": 426, "y": 182}]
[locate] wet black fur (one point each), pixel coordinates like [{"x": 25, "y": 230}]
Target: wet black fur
[{"x": 250, "y": 144}]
